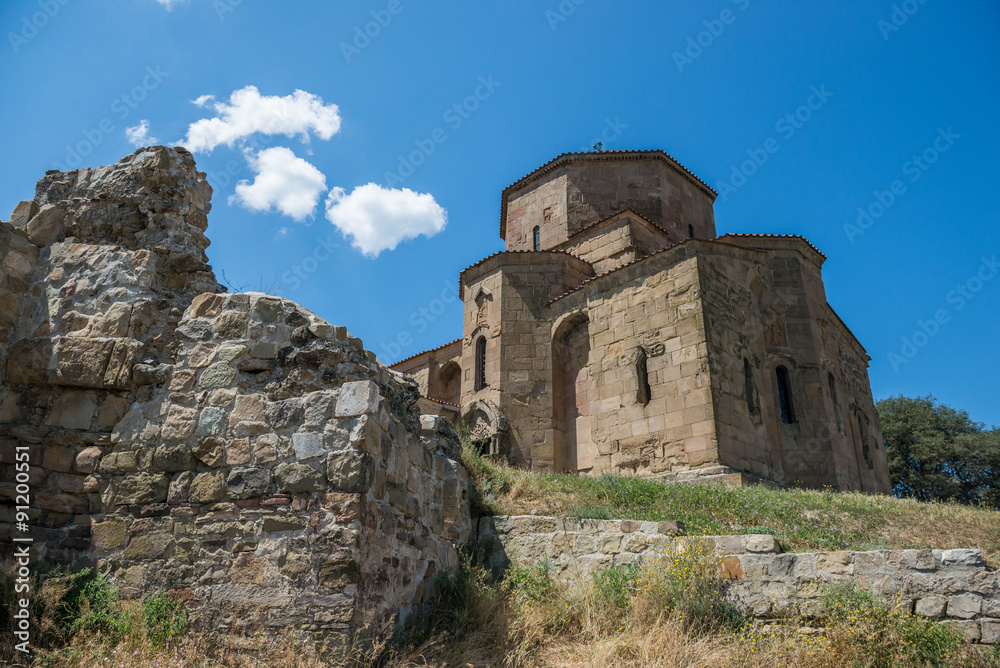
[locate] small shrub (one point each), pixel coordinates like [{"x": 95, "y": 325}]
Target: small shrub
[
  {"x": 164, "y": 618},
  {"x": 685, "y": 580},
  {"x": 530, "y": 583},
  {"x": 886, "y": 635},
  {"x": 617, "y": 584},
  {"x": 590, "y": 513},
  {"x": 97, "y": 608}
]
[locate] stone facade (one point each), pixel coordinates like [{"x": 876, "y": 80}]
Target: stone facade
[
  {"x": 617, "y": 332},
  {"x": 233, "y": 449},
  {"x": 954, "y": 586}
]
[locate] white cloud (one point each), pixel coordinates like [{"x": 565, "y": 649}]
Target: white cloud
[
  {"x": 170, "y": 4},
  {"x": 248, "y": 112},
  {"x": 283, "y": 181},
  {"x": 202, "y": 100},
  {"x": 377, "y": 218},
  {"x": 138, "y": 135}
]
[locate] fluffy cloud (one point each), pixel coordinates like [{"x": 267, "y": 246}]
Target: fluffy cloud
[
  {"x": 248, "y": 112},
  {"x": 283, "y": 181},
  {"x": 202, "y": 100},
  {"x": 170, "y": 4},
  {"x": 138, "y": 135},
  {"x": 377, "y": 218}
]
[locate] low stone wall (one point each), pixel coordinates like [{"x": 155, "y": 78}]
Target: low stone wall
[
  {"x": 575, "y": 546},
  {"x": 954, "y": 586}
]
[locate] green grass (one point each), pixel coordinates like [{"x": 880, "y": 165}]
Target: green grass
[{"x": 802, "y": 520}]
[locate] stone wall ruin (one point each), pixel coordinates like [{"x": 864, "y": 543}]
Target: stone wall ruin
[{"x": 233, "y": 449}]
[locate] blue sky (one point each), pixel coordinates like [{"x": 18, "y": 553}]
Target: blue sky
[{"x": 902, "y": 126}]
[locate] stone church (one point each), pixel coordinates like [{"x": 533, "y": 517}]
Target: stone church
[{"x": 616, "y": 332}]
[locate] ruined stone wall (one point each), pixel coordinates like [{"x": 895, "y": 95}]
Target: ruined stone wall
[
  {"x": 954, "y": 586},
  {"x": 233, "y": 449}
]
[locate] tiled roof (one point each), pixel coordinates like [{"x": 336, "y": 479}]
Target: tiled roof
[
  {"x": 442, "y": 401},
  {"x": 595, "y": 155},
  {"x": 773, "y": 236},
  {"x": 407, "y": 359}
]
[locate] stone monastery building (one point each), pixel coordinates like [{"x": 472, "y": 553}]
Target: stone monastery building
[{"x": 617, "y": 333}]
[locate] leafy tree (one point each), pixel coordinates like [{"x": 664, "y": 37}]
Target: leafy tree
[{"x": 937, "y": 453}]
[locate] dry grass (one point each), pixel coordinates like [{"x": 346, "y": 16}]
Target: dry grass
[{"x": 664, "y": 613}]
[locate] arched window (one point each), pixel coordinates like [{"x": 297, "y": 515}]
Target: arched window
[
  {"x": 642, "y": 377},
  {"x": 836, "y": 402},
  {"x": 750, "y": 388},
  {"x": 480, "y": 363},
  {"x": 690, "y": 231},
  {"x": 785, "y": 395},
  {"x": 866, "y": 450},
  {"x": 536, "y": 235}
]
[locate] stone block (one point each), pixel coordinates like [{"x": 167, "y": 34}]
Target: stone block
[
  {"x": 72, "y": 410},
  {"x": 671, "y": 528},
  {"x": 762, "y": 543},
  {"x": 149, "y": 546},
  {"x": 23, "y": 212},
  {"x": 247, "y": 482},
  {"x": 961, "y": 558},
  {"x": 207, "y": 305},
  {"x": 350, "y": 471},
  {"x": 180, "y": 486},
  {"x": 57, "y": 458},
  {"x": 308, "y": 446},
  {"x": 210, "y": 422},
  {"x": 238, "y": 452},
  {"x": 930, "y": 606},
  {"x": 172, "y": 457},
  {"x": 964, "y": 607},
  {"x": 989, "y": 631},
  {"x": 141, "y": 488},
  {"x": 46, "y": 226},
  {"x": 107, "y": 535},
  {"x": 209, "y": 451},
  {"x": 207, "y": 487},
  {"x": 298, "y": 478},
  {"x": 338, "y": 573},
  {"x": 217, "y": 375},
  {"x": 358, "y": 398}
]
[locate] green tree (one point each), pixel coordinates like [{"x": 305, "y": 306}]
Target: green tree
[{"x": 937, "y": 453}]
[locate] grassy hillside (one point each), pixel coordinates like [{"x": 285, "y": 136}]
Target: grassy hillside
[
  {"x": 669, "y": 611},
  {"x": 803, "y": 520}
]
